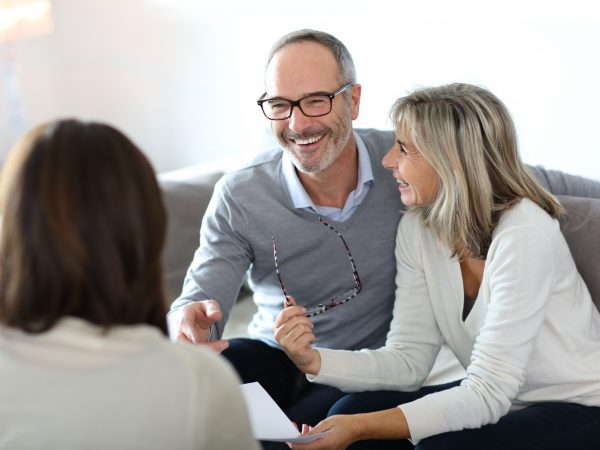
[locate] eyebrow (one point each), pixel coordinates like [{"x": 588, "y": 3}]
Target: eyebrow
[{"x": 279, "y": 97}]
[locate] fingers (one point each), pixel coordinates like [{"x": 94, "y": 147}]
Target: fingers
[
  {"x": 295, "y": 333},
  {"x": 196, "y": 320},
  {"x": 323, "y": 425},
  {"x": 213, "y": 310},
  {"x": 312, "y": 445},
  {"x": 290, "y": 309},
  {"x": 181, "y": 337},
  {"x": 218, "y": 346},
  {"x": 298, "y": 330}
]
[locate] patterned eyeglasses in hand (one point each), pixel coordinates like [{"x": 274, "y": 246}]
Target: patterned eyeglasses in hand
[{"x": 335, "y": 301}]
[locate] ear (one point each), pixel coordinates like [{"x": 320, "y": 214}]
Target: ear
[{"x": 356, "y": 90}]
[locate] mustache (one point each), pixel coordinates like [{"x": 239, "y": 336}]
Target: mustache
[{"x": 305, "y": 134}]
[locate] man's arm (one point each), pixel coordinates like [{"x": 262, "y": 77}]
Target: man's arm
[
  {"x": 216, "y": 272},
  {"x": 561, "y": 183}
]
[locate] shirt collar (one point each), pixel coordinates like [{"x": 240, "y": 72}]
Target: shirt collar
[{"x": 300, "y": 199}]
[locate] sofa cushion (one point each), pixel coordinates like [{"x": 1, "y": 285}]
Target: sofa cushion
[
  {"x": 581, "y": 228},
  {"x": 186, "y": 202}
]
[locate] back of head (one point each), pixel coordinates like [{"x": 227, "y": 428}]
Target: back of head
[
  {"x": 466, "y": 133},
  {"x": 83, "y": 226},
  {"x": 337, "y": 47}
]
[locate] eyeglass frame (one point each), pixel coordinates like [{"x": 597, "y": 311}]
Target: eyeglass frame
[
  {"x": 322, "y": 307},
  {"x": 294, "y": 103}
]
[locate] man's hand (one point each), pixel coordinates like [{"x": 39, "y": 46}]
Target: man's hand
[
  {"x": 293, "y": 331},
  {"x": 193, "y": 323}
]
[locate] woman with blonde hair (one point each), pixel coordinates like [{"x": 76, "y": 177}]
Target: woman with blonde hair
[
  {"x": 482, "y": 266},
  {"x": 84, "y": 357}
]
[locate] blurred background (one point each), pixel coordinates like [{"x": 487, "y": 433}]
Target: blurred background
[{"x": 181, "y": 77}]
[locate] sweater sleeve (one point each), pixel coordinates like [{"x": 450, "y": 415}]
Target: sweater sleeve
[
  {"x": 518, "y": 277},
  {"x": 220, "y": 262},
  {"x": 413, "y": 341}
]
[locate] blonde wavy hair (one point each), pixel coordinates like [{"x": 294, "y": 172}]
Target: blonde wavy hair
[{"x": 467, "y": 135}]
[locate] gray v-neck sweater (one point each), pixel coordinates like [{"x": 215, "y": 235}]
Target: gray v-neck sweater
[{"x": 251, "y": 204}]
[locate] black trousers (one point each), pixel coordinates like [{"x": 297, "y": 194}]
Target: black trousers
[
  {"x": 543, "y": 426},
  {"x": 303, "y": 402}
]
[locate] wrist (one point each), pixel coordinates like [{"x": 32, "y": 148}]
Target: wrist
[
  {"x": 385, "y": 424},
  {"x": 313, "y": 365},
  {"x": 361, "y": 430}
]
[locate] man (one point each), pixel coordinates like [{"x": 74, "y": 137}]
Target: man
[{"x": 326, "y": 170}]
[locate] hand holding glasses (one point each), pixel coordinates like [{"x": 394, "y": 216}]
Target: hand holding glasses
[{"x": 335, "y": 301}]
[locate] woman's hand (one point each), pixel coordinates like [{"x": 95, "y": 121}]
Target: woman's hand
[
  {"x": 347, "y": 429},
  {"x": 342, "y": 430},
  {"x": 293, "y": 331}
]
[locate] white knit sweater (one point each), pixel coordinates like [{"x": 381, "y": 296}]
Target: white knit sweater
[
  {"x": 76, "y": 387},
  {"x": 532, "y": 336}
]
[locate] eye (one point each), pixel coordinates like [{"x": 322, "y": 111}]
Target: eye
[
  {"x": 277, "y": 104},
  {"x": 314, "y": 101},
  {"x": 402, "y": 148}
]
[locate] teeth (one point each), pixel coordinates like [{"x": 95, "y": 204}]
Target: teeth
[
  {"x": 311, "y": 140},
  {"x": 401, "y": 182}
]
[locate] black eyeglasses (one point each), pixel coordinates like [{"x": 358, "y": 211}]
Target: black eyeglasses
[
  {"x": 335, "y": 301},
  {"x": 313, "y": 105}
]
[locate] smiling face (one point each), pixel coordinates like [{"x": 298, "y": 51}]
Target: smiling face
[
  {"x": 298, "y": 70},
  {"x": 418, "y": 182}
]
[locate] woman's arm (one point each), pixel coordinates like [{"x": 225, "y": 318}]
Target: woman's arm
[
  {"x": 414, "y": 338},
  {"x": 412, "y": 343},
  {"x": 343, "y": 430}
]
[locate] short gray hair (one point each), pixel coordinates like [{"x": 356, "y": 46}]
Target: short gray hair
[{"x": 347, "y": 71}]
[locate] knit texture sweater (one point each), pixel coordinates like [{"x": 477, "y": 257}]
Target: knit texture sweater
[
  {"x": 252, "y": 204},
  {"x": 532, "y": 335},
  {"x": 78, "y": 386}
]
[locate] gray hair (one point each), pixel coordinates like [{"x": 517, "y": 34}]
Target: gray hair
[
  {"x": 467, "y": 135},
  {"x": 347, "y": 71}
]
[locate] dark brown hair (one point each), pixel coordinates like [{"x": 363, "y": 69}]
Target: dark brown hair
[{"x": 83, "y": 227}]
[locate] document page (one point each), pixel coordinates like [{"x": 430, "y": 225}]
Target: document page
[{"x": 268, "y": 421}]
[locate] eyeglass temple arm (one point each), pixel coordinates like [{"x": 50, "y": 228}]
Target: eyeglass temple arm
[
  {"x": 285, "y": 294},
  {"x": 357, "y": 281}
]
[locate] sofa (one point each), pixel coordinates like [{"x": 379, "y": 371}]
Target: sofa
[{"x": 187, "y": 192}]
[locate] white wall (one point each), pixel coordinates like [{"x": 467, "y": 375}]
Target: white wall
[{"x": 181, "y": 77}]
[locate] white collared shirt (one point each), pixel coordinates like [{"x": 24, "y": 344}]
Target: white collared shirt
[{"x": 301, "y": 200}]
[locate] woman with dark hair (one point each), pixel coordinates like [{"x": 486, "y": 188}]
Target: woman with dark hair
[
  {"x": 84, "y": 357},
  {"x": 482, "y": 266}
]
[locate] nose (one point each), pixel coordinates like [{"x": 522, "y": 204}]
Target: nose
[
  {"x": 298, "y": 121},
  {"x": 390, "y": 160}
]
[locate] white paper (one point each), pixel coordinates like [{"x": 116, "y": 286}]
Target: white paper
[{"x": 268, "y": 421}]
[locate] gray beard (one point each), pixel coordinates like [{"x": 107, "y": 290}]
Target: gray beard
[{"x": 326, "y": 161}]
